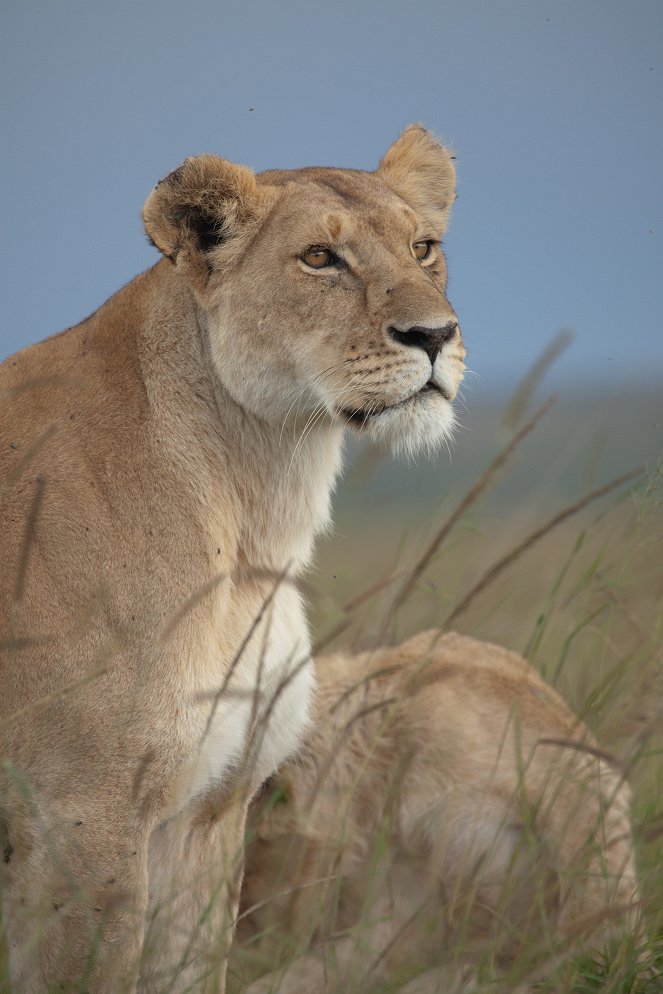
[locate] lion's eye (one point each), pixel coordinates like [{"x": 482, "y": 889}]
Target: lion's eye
[
  {"x": 317, "y": 257},
  {"x": 422, "y": 250}
]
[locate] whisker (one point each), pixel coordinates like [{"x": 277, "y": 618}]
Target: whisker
[
  {"x": 334, "y": 398},
  {"x": 309, "y": 386}
]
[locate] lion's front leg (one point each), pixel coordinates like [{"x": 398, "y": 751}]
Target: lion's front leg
[
  {"x": 74, "y": 889},
  {"x": 195, "y": 875}
]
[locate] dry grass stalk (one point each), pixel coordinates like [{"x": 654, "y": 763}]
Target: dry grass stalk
[
  {"x": 497, "y": 568},
  {"x": 525, "y": 389},
  {"x": 470, "y": 498},
  {"x": 413, "y": 574}
]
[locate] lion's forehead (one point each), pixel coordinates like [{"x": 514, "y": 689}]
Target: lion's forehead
[
  {"x": 356, "y": 186},
  {"x": 340, "y": 205}
]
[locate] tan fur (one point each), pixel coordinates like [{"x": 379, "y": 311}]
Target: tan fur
[
  {"x": 456, "y": 803},
  {"x": 164, "y": 469}
]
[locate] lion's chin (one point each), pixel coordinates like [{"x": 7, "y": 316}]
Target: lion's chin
[{"x": 420, "y": 425}]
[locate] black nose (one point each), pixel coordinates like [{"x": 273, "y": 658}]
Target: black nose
[{"x": 430, "y": 340}]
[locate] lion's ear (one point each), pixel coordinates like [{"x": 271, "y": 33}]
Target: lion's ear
[
  {"x": 203, "y": 204},
  {"x": 421, "y": 171}
]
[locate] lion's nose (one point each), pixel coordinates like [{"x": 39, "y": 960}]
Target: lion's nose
[{"x": 430, "y": 340}]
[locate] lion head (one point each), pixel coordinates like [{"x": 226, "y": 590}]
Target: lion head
[{"x": 323, "y": 291}]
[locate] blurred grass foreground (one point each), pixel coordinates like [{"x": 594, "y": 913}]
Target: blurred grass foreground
[
  {"x": 530, "y": 559},
  {"x": 542, "y": 532}
]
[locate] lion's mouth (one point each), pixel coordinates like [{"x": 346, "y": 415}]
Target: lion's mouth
[{"x": 362, "y": 415}]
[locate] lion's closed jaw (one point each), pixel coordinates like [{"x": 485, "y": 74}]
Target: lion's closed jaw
[
  {"x": 409, "y": 426},
  {"x": 420, "y": 426}
]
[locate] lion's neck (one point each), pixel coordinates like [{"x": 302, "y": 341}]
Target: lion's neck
[
  {"x": 284, "y": 476},
  {"x": 265, "y": 490},
  {"x": 285, "y": 482}
]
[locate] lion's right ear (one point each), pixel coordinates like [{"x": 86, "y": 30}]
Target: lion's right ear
[
  {"x": 205, "y": 203},
  {"x": 421, "y": 171}
]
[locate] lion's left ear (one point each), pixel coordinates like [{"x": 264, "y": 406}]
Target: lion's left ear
[{"x": 420, "y": 170}]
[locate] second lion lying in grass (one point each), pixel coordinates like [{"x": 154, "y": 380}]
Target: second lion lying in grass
[{"x": 447, "y": 806}]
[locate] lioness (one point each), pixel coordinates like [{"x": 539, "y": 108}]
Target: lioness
[
  {"x": 446, "y": 803},
  {"x": 165, "y": 467}
]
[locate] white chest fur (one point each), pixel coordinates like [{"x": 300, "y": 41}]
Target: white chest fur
[
  {"x": 253, "y": 672},
  {"x": 255, "y": 715}
]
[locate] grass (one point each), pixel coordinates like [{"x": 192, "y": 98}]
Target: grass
[
  {"x": 574, "y": 584},
  {"x": 571, "y": 576}
]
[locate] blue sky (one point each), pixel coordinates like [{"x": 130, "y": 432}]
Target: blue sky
[{"x": 554, "y": 108}]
